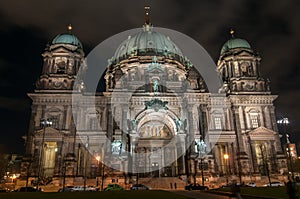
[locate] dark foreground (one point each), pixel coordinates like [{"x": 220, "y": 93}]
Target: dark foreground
[
  {"x": 112, "y": 195},
  {"x": 276, "y": 192}
]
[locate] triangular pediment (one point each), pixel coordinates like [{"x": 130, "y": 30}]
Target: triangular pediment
[
  {"x": 49, "y": 132},
  {"x": 61, "y": 50},
  {"x": 156, "y": 71},
  {"x": 262, "y": 133},
  {"x": 155, "y": 67},
  {"x": 244, "y": 53}
]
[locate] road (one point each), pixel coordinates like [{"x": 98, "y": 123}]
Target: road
[{"x": 200, "y": 195}]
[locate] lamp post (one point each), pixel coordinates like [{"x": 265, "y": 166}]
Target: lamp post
[
  {"x": 195, "y": 162},
  {"x": 226, "y": 156},
  {"x": 86, "y": 162},
  {"x": 102, "y": 175},
  {"x": 201, "y": 146},
  {"x": 284, "y": 122},
  {"x": 64, "y": 175},
  {"x": 44, "y": 123},
  {"x": 98, "y": 158}
]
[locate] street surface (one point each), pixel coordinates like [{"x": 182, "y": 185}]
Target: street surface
[{"x": 200, "y": 195}]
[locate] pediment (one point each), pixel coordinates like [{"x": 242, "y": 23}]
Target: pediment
[
  {"x": 156, "y": 71},
  {"x": 244, "y": 53},
  {"x": 155, "y": 67},
  {"x": 262, "y": 133},
  {"x": 61, "y": 50},
  {"x": 49, "y": 132}
]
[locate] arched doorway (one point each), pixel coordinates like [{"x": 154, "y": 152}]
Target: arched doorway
[{"x": 155, "y": 149}]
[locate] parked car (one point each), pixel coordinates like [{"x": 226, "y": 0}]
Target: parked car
[
  {"x": 251, "y": 184},
  {"x": 91, "y": 188},
  {"x": 78, "y": 188},
  {"x": 195, "y": 187},
  {"x": 274, "y": 184},
  {"x": 113, "y": 187},
  {"x": 139, "y": 187},
  {"x": 67, "y": 189},
  {"x": 229, "y": 185},
  {"x": 28, "y": 189}
]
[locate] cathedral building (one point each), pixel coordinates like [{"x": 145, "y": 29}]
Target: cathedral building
[{"x": 156, "y": 117}]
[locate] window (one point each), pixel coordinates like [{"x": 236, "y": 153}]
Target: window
[
  {"x": 254, "y": 120},
  {"x": 55, "y": 122},
  {"x": 218, "y": 123},
  {"x": 93, "y": 123}
]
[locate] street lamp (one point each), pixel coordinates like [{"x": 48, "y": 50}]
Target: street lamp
[
  {"x": 284, "y": 122},
  {"x": 44, "y": 123},
  {"x": 226, "y": 156},
  {"x": 64, "y": 174},
  {"x": 201, "y": 147},
  {"x": 86, "y": 162},
  {"x": 98, "y": 158},
  {"x": 102, "y": 175}
]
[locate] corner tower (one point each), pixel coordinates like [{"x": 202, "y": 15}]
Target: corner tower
[
  {"x": 52, "y": 134},
  {"x": 258, "y": 150},
  {"x": 62, "y": 60},
  {"x": 239, "y": 68}
]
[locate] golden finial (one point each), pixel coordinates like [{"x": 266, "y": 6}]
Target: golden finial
[
  {"x": 70, "y": 28},
  {"x": 147, "y": 10},
  {"x": 232, "y": 32}
]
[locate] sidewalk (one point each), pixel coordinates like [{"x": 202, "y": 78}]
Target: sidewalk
[{"x": 244, "y": 196}]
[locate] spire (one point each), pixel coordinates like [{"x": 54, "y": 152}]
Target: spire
[
  {"x": 147, "y": 10},
  {"x": 232, "y": 32},
  {"x": 69, "y": 27}
]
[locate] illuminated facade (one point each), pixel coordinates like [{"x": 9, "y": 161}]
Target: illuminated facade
[{"x": 240, "y": 126}]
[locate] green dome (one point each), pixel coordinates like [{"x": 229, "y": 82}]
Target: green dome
[
  {"x": 235, "y": 43},
  {"x": 67, "y": 38},
  {"x": 147, "y": 41}
]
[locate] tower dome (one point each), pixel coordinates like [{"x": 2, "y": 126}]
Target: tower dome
[
  {"x": 67, "y": 38},
  {"x": 235, "y": 43}
]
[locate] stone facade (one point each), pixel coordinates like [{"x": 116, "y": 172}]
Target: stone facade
[{"x": 150, "y": 119}]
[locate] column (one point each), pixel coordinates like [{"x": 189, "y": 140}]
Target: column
[
  {"x": 68, "y": 118},
  {"x": 254, "y": 165}
]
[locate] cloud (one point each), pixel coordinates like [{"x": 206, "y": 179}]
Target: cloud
[
  {"x": 271, "y": 27},
  {"x": 14, "y": 104}
]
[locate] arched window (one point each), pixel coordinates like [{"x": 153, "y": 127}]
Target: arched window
[
  {"x": 254, "y": 119},
  {"x": 55, "y": 121},
  {"x": 218, "y": 122},
  {"x": 93, "y": 125},
  {"x": 93, "y": 120}
]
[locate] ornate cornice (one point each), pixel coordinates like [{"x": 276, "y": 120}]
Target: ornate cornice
[{"x": 252, "y": 99}]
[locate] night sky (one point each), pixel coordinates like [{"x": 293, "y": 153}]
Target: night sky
[{"x": 272, "y": 27}]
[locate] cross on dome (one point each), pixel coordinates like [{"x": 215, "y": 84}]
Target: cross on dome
[{"x": 147, "y": 11}]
